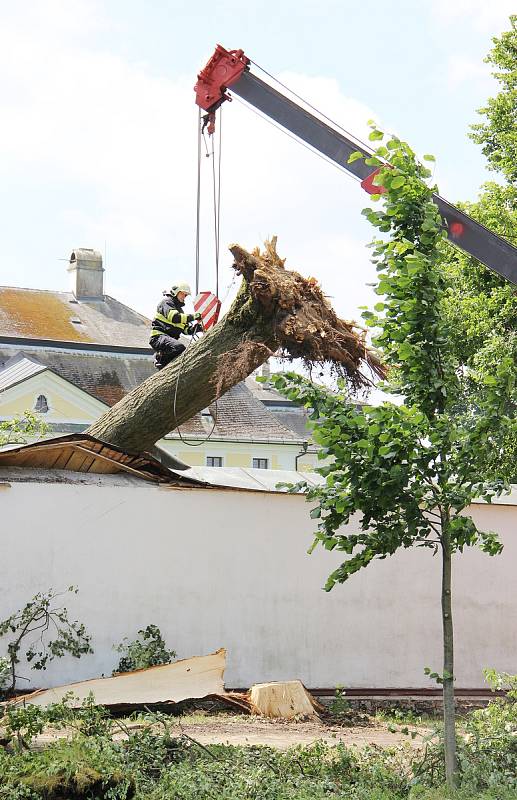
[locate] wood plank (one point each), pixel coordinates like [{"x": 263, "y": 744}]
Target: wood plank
[
  {"x": 118, "y": 465},
  {"x": 190, "y": 678},
  {"x": 63, "y": 458},
  {"x": 76, "y": 461}
]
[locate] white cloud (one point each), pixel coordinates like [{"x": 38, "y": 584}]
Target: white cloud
[
  {"x": 119, "y": 143},
  {"x": 487, "y": 16}
]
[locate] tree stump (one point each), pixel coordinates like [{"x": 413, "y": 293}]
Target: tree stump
[{"x": 283, "y": 700}]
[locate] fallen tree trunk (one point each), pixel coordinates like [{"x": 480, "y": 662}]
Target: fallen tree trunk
[{"x": 275, "y": 309}]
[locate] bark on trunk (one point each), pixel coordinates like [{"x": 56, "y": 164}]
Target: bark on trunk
[
  {"x": 449, "y": 711},
  {"x": 274, "y": 308}
]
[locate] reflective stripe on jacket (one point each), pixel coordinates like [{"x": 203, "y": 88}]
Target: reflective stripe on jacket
[{"x": 170, "y": 318}]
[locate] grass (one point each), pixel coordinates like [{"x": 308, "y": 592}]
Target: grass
[{"x": 158, "y": 767}]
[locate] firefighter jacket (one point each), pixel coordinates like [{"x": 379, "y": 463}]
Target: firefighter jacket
[{"x": 170, "y": 318}]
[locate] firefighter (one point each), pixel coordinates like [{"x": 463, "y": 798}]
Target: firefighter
[{"x": 169, "y": 322}]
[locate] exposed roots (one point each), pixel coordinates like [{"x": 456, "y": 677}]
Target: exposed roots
[{"x": 305, "y": 324}]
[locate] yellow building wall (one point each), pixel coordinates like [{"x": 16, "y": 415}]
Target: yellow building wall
[
  {"x": 59, "y": 408},
  {"x": 192, "y": 457},
  {"x": 18, "y": 406},
  {"x": 66, "y": 402},
  {"x": 237, "y": 459}
]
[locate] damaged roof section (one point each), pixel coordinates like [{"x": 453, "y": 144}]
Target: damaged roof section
[
  {"x": 83, "y": 453},
  {"x": 64, "y": 458}
]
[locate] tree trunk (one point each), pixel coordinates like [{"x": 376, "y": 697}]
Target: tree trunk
[
  {"x": 274, "y": 308},
  {"x": 449, "y": 711}
]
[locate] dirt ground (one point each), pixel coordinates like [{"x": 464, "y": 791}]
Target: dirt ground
[
  {"x": 245, "y": 730},
  {"x": 283, "y": 734}
]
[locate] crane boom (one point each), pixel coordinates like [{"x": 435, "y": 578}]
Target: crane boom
[{"x": 232, "y": 68}]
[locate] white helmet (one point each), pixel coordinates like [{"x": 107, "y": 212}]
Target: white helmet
[{"x": 180, "y": 287}]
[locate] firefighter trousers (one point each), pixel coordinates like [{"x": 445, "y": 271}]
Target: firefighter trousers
[{"x": 167, "y": 349}]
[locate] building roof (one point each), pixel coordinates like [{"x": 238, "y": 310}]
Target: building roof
[
  {"x": 295, "y": 419},
  {"x": 238, "y": 415},
  {"x": 18, "y": 369},
  {"x": 106, "y": 376},
  {"x": 290, "y": 415},
  {"x": 41, "y": 314}
]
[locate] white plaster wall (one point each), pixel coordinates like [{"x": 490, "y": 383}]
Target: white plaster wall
[{"x": 229, "y": 568}]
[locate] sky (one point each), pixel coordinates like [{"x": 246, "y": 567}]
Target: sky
[{"x": 98, "y": 134}]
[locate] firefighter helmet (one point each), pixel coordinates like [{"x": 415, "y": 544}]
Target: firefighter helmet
[{"x": 180, "y": 287}]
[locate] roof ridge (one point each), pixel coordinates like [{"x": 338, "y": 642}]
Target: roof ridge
[{"x": 31, "y": 289}]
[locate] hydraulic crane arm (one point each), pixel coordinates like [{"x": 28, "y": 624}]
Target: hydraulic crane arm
[{"x": 232, "y": 69}]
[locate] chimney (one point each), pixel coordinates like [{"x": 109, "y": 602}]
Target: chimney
[{"x": 87, "y": 274}]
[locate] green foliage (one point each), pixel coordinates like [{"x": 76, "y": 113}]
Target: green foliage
[
  {"x": 146, "y": 760},
  {"x": 395, "y": 466},
  {"x": 481, "y": 308},
  {"x": 41, "y": 632},
  {"x": 498, "y": 134},
  {"x": 339, "y": 705},
  {"x": 5, "y": 673},
  {"x": 443, "y": 793},
  {"x": 150, "y": 762},
  {"x": 76, "y": 770},
  {"x": 488, "y": 749},
  {"x": 148, "y": 650},
  {"x": 410, "y": 470},
  {"x": 21, "y": 429}
]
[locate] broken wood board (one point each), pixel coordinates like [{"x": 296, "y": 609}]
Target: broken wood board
[
  {"x": 283, "y": 700},
  {"x": 188, "y": 679}
]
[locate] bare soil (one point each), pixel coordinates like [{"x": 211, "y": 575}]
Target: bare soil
[
  {"x": 283, "y": 734},
  {"x": 232, "y": 729}
]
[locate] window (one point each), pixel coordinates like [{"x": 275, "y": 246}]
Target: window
[
  {"x": 260, "y": 463},
  {"x": 41, "y": 404},
  {"x": 214, "y": 461}
]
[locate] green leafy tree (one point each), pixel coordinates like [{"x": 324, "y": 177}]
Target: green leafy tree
[
  {"x": 411, "y": 470},
  {"x": 498, "y": 133},
  {"x": 147, "y": 650},
  {"x": 41, "y": 631},
  {"x": 22, "y": 429},
  {"x": 481, "y": 308}
]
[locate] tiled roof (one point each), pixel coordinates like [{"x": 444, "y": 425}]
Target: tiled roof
[
  {"x": 239, "y": 415},
  {"x": 39, "y": 314},
  {"x": 295, "y": 418},
  {"x": 106, "y": 376},
  {"x": 287, "y": 413}
]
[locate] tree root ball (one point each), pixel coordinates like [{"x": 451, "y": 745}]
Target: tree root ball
[{"x": 304, "y": 323}]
